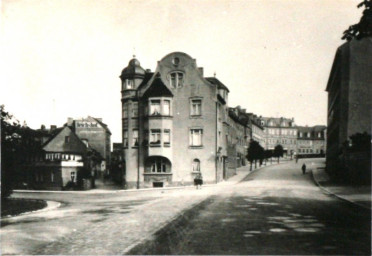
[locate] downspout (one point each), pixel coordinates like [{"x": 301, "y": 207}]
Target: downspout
[
  {"x": 216, "y": 159},
  {"x": 138, "y": 148}
]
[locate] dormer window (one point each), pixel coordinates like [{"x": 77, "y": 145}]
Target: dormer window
[
  {"x": 176, "y": 79},
  {"x": 129, "y": 84}
]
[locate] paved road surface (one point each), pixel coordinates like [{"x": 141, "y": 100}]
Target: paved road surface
[{"x": 276, "y": 210}]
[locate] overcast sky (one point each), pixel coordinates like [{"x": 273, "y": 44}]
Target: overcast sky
[{"x": 63, "y": 58}]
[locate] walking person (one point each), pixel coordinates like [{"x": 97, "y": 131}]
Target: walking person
[
  {"x": 198, "y": 181},
  {"x": 303, "y": 168}
]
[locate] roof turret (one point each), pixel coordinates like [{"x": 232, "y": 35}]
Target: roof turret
[{"x": 133, "y": 69}]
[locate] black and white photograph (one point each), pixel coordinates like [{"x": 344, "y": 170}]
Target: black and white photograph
[{"x": 190, "y": 127}]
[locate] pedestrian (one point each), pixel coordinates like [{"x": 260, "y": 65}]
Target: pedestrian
[
  {"x": 304, "y": 168},
  {"x": 198, "y": 181}
]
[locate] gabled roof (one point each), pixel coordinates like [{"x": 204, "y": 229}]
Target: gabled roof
[
  {"x": 58, "y": 143},
  {"x": 102, "y": 124},
  {"x": 217, "y": 82},
  {"x": 157, "y": 89},
  {"x": 147, "y": 78}
]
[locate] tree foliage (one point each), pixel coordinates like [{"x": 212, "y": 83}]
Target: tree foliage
[
  {"x": 364, "y": 27},
  {"x": 278, "y": 151},
  {"x": 17, "y": 143},
  {"x": 255, "y": 152},
  {"x": 10, "y": 141}
]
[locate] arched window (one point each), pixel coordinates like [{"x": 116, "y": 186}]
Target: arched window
[{"x": 196, "y": 165}]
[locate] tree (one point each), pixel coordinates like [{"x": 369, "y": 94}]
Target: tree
[
  {"x": 261, "y": 154},
  {"x": 253, "y": 152},
  {"x": 10, "y": 141},
  {"x": 268, "y": 154},
  {"x": 364, "y": 27},
  {"x": 278, "y": 151}
]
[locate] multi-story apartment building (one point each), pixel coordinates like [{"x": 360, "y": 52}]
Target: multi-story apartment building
[
  {"x": 256, "y": 128},
  {"x": 239, "y": 121},
  {"x": 98, "y": 135},
  {"x": 281, "y": 131},
  {"x": 349, "y": 109},
  {"x": 174, "y": 123},
  {"x": 311, "y": 141}
]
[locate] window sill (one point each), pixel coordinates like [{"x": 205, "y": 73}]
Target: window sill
[
  {"x": 196, "y": 116},
  {"x": 157, "y": 173},
  {"x": 196, "y": 147},
  {"x": 159, "y": 116},
  {"x": 155, "y": 145}
]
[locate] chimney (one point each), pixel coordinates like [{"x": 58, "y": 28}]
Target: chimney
[
  {"x": 201, "y": 71},
  {"x": 42, "y": 127},
  {"x": 244, "y": 110},
  {"x": 53, "y": 127},
  {"x": 148, "y": 70},
  {"x": 70, "y": 120}
]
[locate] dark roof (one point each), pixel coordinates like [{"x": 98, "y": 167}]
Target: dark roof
[
  {"x": 313, "y": 130},
  {"x": 157, "y": 89},
  {"x": 277, "y": 121},
  {"x": 217, "y": 82},
  {"x": 58, "y": 143}
]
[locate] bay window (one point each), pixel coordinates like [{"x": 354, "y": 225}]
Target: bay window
[
  {"x": 166, "y": 108},
  {"x": 166, "y": 137},
  {"x": 155, "y": 107},
  {"x": 155, "y": 137}
]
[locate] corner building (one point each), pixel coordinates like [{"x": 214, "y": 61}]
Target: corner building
[{"x": 172, "y": 122}]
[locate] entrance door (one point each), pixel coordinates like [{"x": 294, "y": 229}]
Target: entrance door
[{"x": 224, "y": 167}]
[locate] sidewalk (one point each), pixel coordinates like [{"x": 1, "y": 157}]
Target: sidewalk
[{"x": 360, "y": 195}]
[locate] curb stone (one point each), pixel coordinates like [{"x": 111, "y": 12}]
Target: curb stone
[
  {"x": 337, "y": 196},
  {"x": 51, "y": 205}
]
